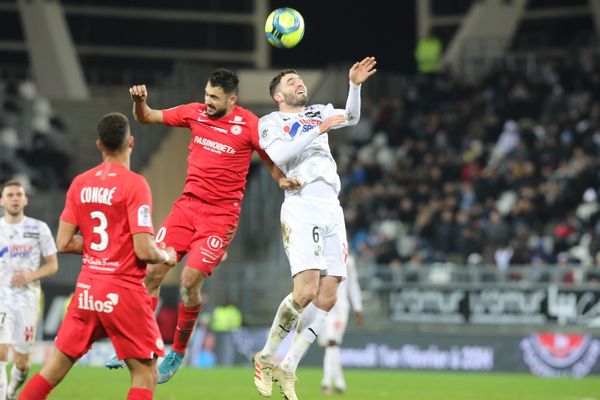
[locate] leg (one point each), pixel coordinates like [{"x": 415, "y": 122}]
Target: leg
[
  {"x": 189, "y": 308},
  {"x": 328, "y": 368},
  {"x": 305, "y": 288},
  {"x": 143, "y": 378},
  {"x": 18, "y": 374},
  {"x": 339, "y": 383},
  {"x": 155, "y": 274},
  {"x": 4, "y": 348},
  {"x": 55, "y": 369},
  {"x": 311, "y": 322}
]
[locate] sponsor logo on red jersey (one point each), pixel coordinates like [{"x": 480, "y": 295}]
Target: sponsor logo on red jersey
[{"x": 86, "y": 301}]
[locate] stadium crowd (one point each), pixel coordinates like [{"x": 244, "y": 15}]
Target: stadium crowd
[
  {"x": 33, "y": 140},
  {"x": 499, "y": 172}
]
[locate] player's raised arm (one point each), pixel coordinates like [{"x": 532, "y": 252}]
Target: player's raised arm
[
  {"x": 362, "y": 70},
  {"x": 141, "y": 111}
]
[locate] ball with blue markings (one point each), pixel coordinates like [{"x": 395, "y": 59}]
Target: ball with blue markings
[{"x": 284, "y": 28}]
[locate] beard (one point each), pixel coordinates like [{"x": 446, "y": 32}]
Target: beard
[
  {"x": 217, "y": 113},
  {"x": 294, "y": 101}
]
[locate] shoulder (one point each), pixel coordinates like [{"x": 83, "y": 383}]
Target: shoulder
[
  {"x": 245, "y": 114},
  {"x": 316, "y": 108},
  {"x": 275, "y": 116},
  {"x": 30, "y": 222},
  {"x": 135, "y": 179}
]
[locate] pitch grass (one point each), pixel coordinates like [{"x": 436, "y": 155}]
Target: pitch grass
[{"x": 93, "y": 383}]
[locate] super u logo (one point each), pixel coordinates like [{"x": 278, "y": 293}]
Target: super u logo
[{"x": 214, "y": 242}]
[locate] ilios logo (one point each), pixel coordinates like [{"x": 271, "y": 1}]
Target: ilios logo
[{"x": 87, "y": 302}]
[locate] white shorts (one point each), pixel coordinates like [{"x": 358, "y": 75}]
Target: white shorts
[
  {"x": 17, "y": 327},
  {"x": 335, "y": 324},
  {"x": 314, "y": 235}
]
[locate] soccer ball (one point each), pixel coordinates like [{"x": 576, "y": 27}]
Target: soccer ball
[{"x": 284, "y": 28}]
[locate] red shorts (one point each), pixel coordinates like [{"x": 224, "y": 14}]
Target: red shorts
[
  {"x": 101, "y": 308},
  {"x": 200, "y": 230}
]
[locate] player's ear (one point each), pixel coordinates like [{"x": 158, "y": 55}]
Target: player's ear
[
  {"x": 233, "y": 99},
  {"x": 130, "y": 142},
  {"x": 98, "y": 145},
  {"x": 278, "y": 97}
]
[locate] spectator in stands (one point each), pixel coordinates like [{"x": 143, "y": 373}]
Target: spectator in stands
[{"x": 428, "y": 54}]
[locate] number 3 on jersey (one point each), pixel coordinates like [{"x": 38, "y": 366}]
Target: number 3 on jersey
[{"x": 100, "y": 230}]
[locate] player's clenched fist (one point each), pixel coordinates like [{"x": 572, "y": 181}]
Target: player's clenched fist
[{"x": 138, "y": 93}]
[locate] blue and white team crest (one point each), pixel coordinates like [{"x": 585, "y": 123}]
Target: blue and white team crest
[{"x": 560, "y": 354}]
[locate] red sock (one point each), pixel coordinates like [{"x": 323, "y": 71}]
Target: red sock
[
  {"x": 154, "y": 302},
  {"x": 186, "y": 320},
  {"x": 37, "y": 388},
  {"x": 139, "y": 394}
]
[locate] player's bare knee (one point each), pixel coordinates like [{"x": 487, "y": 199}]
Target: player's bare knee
[
  {"x": 22, "y": 365},
  {"x": 303, "y": 296},
  {"x": 190, "y": 294},
  {"x": 325, "y": 302},
  {"x": 3, "y": 353}
]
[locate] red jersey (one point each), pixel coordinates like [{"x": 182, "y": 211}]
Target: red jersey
[
  {"x": 220, "y": 152},
  {"x": 109, "y": 203}
]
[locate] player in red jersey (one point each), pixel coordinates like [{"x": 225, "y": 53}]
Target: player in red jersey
[
  {"x": 204, "y": 219},
  {"x": 111, "y": 207}
]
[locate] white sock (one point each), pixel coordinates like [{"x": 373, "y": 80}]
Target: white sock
[
  {"x": 336, "y": 364},
  {"x": 327, "y": 368},
  {"x": 17, "y": 377},
  {"x": 3, "y": 380},
  {"x": 306, "y": 333},
  {"x": 285, "y": 320}
]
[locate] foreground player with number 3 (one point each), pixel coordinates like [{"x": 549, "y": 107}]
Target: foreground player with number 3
[
  {"x": 112, "y": 208},
  {"x": 312, "y": 221}
]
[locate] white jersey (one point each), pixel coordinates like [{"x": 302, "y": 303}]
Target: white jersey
[
  {"x": 349, "y": 289},
  {"x": 315, "y": 162},
  {"x": 22, "y": 247},
  {"x": 295, "y": 144}
]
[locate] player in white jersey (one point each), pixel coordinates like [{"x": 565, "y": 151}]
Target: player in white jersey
[
  {"x": 24, "y": 243},
  {"x": 335, "y": 326},
  {"x": 312, "y": 221}
]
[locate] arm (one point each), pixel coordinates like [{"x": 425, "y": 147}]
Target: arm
[
  {"x": 281, "y": 151},
  {"x": 67, "y": 239},
  {"x": 50, "y": 266},
  {"x": 141, "y": 111},
  {"x": 146, "y": 250},
  {"x": 284, "y": 182},
  {"x": 358, "y": 74}
]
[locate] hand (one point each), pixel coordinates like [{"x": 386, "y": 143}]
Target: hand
[
  {"x": 138, "y": 93},
  {"x": 172, "y": 260},
  {"x": 361, "y": 71},
  {"x": 359, "y": 318},
  {"x": 290, "y": 183},
  {"x": 22, "y": 278},
  {"x": 331, "y": 122},
  {"x": 172, "y": 256}
]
